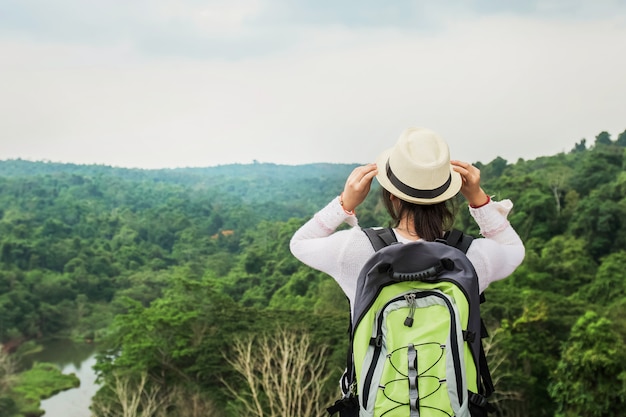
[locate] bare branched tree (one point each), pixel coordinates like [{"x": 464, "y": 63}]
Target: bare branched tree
[
  {"x": 8, "y": 370},
  {"x": 194, "y": 404},
  {"x": 510, "y": 402},
  {"x": 136, "y": 397},
  {"x": 133, "y": 397},
  {"x": 284, "y": 375},
  {"x": 556, "y": 181}
]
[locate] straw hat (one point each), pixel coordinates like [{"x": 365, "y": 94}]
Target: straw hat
[{"x": 417, "y": 169}]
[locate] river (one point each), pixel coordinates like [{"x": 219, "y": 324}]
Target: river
[{"x": 70, "y": 357}]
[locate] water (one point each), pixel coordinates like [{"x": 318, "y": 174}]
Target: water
[{"x": 76, "y": 358}]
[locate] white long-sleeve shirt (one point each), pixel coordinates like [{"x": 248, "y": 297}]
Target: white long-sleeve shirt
[{"x": 341, "y": 254}]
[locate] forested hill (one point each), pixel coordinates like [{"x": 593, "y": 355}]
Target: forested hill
[
  {"x": 254, "y": 183},
  {"x": 262, "y": 191},
  {"x": 169, "y": 267}
]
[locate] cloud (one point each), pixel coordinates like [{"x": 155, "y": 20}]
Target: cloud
[
  {"x": 492, "y": 85},
  {"x": 155, "y": 27},
  {"x": 234, "y": 29}
]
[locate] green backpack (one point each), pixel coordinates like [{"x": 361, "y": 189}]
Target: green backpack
[{"x": 416, "y": 347}]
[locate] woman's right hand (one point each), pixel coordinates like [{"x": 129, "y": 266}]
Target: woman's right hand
[{"x": 358, "y": 186}]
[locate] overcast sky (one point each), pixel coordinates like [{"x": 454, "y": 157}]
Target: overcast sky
[{"x": 174, "y": 83}]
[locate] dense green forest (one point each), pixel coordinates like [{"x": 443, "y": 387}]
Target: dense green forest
[{"x": 184, "y": 279}]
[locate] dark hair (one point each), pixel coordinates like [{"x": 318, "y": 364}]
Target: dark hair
[{"x": 430, "y": 220}]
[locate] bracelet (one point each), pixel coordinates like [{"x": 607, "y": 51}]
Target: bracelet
[
  {"x": 484, "y": 204},
  {"x": 348, "y": 212}
]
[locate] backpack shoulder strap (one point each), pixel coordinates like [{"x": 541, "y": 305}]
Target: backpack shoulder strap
[
  {"x": 458, "y": 239},
  {"x": 380, "y": 237},
  {"x": 462, "y": 242}
]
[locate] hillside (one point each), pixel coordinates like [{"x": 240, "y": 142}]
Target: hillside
[{"x": 142, "y": 260}]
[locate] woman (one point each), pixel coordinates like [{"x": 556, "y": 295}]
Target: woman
[{"x": 418, "y": 180}]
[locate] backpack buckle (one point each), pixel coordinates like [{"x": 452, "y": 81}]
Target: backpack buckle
[{"x": 377, "y": 341}]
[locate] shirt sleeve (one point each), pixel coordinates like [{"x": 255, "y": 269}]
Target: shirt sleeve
[
  {"x": 501, "y": 250},
  {"x": 340, "y": 254},
  {"x": 318, "y": 236}
]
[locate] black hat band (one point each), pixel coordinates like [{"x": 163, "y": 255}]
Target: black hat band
[{"x": 415, "y": 192}]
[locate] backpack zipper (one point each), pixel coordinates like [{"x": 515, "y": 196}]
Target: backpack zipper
[{"x": 411, "y": 301}]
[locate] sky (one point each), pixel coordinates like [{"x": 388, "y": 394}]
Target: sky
[{"x": 194, "y": 83}]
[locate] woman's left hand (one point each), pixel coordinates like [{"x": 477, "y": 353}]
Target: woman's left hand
[{"x": 470, "y": 188}]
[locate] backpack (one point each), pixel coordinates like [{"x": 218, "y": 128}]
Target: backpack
[{"x": 415, "y": 340}]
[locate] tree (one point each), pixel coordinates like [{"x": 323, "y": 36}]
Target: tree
[
  {"x": 598, "y": 220},
  {"x": 580, "y": 146},
  {"x": 494, "y": 168},
  {"x": 609, "y": 284},
  {"x": 557, "y": 179},
  {"x": 567, "y": 265},
  {"x": 535, "y": 213},
  {"x": 8, "y": 369},
  {"x": 590, "y": 379},
  {"x": 597, "y": 168},
  {"x": 510, "y": 399},
  {"x": 621, "y": 139},
  {"x": 284, "y": 375},
  {"x": 178, "y": 337},
  {"x": 530, "y": 326},
  {"x": 133, "y": 398},
  {"x": 603, "y": 138}
]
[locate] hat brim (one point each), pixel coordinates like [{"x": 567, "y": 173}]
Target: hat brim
[{"x": 383, "y": 180}]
